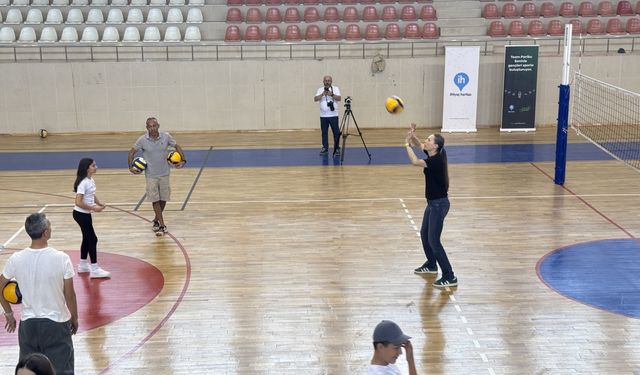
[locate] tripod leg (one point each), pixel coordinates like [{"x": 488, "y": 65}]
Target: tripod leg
[
  {"x": 344, "y": 131},
  {"x": 361, "y": 137}
]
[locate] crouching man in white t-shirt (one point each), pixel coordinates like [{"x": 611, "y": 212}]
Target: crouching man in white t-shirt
[{"x": 388, "y": 341}]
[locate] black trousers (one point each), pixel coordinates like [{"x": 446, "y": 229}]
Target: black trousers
[
  {"x": 89, "y": 244},
  {"x": 325, "y": 122},
  {"x": 53, "y": 339}
]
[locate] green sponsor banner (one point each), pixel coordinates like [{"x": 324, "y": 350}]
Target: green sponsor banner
[{"x": 520, "y": 88}]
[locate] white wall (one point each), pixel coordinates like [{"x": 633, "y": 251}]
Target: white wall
[{"x": 258, "y": 95}]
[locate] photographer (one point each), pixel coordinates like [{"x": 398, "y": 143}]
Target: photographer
[{"x": 328, "y": 96}]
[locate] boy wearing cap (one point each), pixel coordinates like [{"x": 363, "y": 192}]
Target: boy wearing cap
[{"x": 388, "y": 341}]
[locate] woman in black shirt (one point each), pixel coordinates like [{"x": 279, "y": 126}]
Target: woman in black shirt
[{"x": 435, "y": 168}]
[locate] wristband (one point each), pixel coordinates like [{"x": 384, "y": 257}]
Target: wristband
[{"x": 406, "y": 145}]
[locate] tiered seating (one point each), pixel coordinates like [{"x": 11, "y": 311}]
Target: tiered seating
[
  {"x": 48, "y": 24},
  {"x": 608, "y": 15},
  {"x": 340, "y": 22}
]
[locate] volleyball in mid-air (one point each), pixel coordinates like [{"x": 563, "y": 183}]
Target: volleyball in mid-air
[
  {"x": 139, "y": 163},
  {"x": 11, "y": 292},
  {"x": 394, "y": 105},
  {"x": 174, "y": 158}
]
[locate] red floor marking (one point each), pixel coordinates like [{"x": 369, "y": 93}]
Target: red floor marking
[{"x": 133, "y": 284}]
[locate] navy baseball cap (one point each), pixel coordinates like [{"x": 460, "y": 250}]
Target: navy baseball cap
[{"x": 388, "y": 331}]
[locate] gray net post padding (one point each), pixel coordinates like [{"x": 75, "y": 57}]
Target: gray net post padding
[{"x": 608, "y": 116}]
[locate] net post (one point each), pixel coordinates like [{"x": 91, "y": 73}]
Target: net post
[{"x": 563, "y": 110}]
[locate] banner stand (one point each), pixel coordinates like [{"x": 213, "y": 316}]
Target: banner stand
[
  {"x": 460, "y": 97},
  {"x": 520, "y": 88}
]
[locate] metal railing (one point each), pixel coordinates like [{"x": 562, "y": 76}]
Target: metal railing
[{"x": 220, "y": 51}]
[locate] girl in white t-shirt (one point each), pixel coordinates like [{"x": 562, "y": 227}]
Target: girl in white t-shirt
[{"x": 86, "y": 203}]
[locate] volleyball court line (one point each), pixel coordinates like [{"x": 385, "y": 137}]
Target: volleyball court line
[{"x": 17, "y": 233}]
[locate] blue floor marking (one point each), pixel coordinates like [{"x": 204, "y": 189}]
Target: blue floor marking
[
  {"x": 604, "y": 274},
  {"x": 289, "y": 157}
]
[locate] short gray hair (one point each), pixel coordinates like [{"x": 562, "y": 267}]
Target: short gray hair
[{"x": 36, "y": 224}]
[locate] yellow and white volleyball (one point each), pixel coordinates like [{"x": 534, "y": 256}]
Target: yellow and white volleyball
[
  {"x": 394, "y": 105},
  {"x": 43, "y": 133},
  {"x": 174, "y": 158}
]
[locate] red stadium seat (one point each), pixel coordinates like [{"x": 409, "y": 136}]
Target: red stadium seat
[
  {"x": 430, "y": 31},
  {"x": 252, "y": 34},
  {"x": 232, "y": 34},
  {"x": 292, "y": 34},
  {"x": 253, "y": 15},
  {"x": 638, "y": 7},
  {"x": 577, "y": 27},
  {"x": 273, "y": 16},
  {"x": 392, "y": 31},
  {"x": 253, "y": 2},
  {"x": 332, "y": 32},
  {"x": 291, "y": 15},
  {"x": 624, "y": 8},
  {"x": 605, "y": 9},
  {"x": 313, "y": 33},
  {"x": 353, "y": 32},
  {"x": 291, "y": 2},
  {"x": 389, "y": 13},
  {"x": 329, "y": 2},
  {"x": 614, "y": 26},
  {"x": 586, "y": 9},
  {"x": 516, "y": 28},
  {"x": 428, "y": 13},
  {"x": 350, "y": 14},
  {"x": 509, "y": 10},
  {"x": 272, "y": 33},
  {"x": 567, "y": 9},
  {"x": 386, "y": 1},
  {"x": 490, "y": 11},
  {"x": 548, "y": 9},
  {"x": 311, "y": 2},
  {"x": 633, "y": 25},
  {"x": 331, "y": 14},
  {"x": 349, "y": 2},
  {"x": 408, "y": 13},
  {"x": 496, "y": 29},
  {"x": 555, "y": 28},
  {"x": 234, "y": 15},
  {"x": 234, "y": 2},
  {"x": 536, "y": 28},
  {"x": 412, "y": 31},
  {"x": 273, "y": 2},
  {"x": 372, "y": 32},
  {"x": 368, "y": 1},
  {"x": 529, "y": 10},
  {"x": 595, "y": 27},
  {"x": 370, "y": 14},
  {"x": 311, "y": 14}
]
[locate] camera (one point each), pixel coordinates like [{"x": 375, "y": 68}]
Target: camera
[
  {"x": 331, "y": 106},
  {"x": 327, "y": 88},
  {"x": 347, "y": 100}
]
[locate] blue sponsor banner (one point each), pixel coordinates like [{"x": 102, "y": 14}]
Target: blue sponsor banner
[
  {"x": 520, "y": 88},
  {"x": 460, "y": 97}
]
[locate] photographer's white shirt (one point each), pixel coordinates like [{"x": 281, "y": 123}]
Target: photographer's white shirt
[{"x": 325, "y": 111}]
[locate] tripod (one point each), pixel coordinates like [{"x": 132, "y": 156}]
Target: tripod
[{"x": 344, "y": 131}]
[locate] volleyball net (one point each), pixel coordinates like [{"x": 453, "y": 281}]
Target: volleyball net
[{"x": 608, "y": 116}]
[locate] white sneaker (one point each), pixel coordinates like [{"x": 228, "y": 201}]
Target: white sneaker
[
  {"x": 99, "y": 273},
  {"x": 83, "y": 267}
]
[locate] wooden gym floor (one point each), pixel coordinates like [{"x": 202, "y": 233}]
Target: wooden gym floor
[{"x": 286, "y": 270}]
